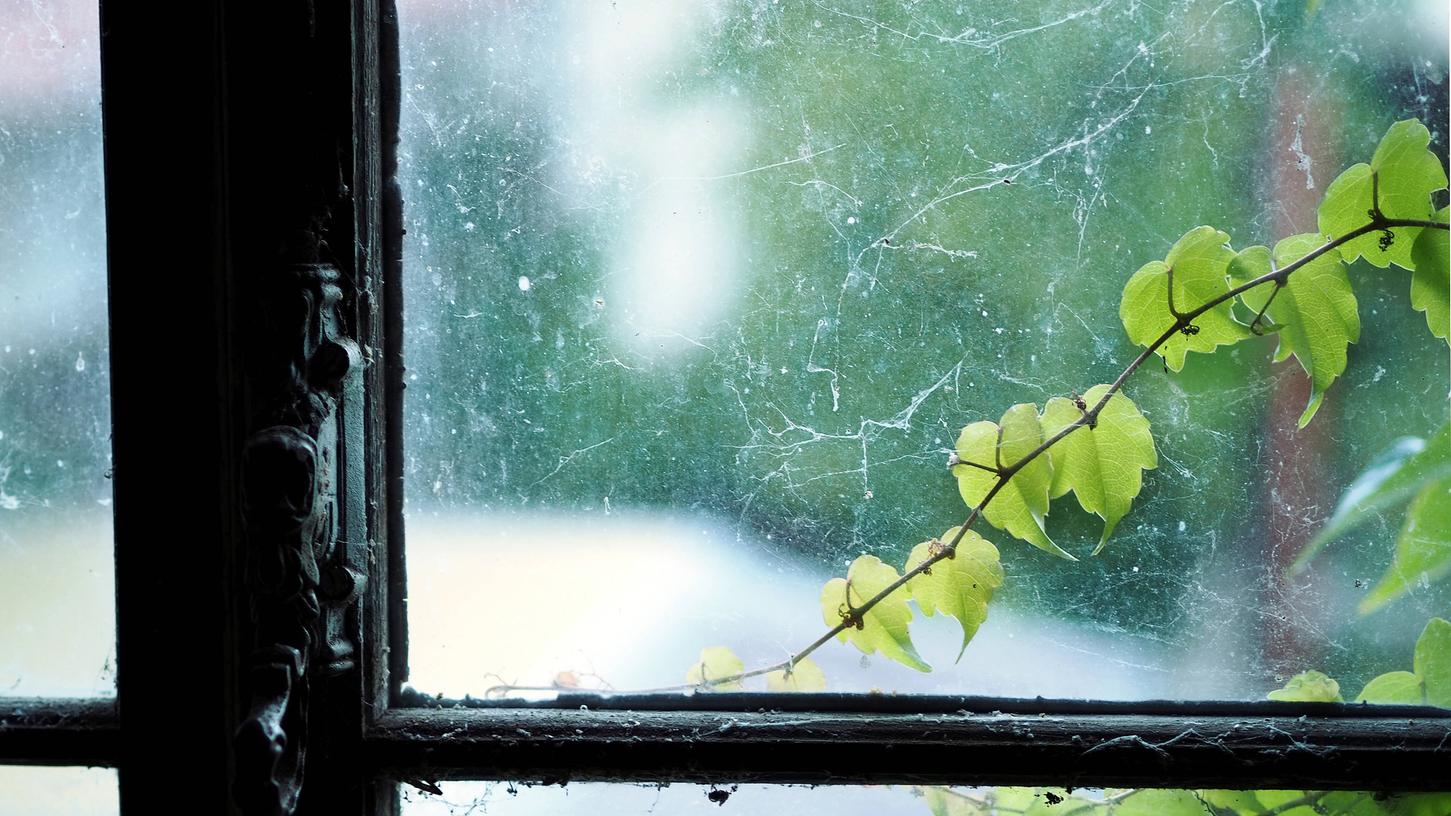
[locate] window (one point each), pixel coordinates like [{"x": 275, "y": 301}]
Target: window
[
  {"x": 55, "y": 492},
  {"x": 699, "y": 295},
  {"x": 261, "y": 390}
]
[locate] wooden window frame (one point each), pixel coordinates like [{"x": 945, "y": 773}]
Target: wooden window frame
[{"x": 227, "y": 121}]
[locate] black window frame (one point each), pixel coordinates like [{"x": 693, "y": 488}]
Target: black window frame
[{"x": 245, "y": 141}]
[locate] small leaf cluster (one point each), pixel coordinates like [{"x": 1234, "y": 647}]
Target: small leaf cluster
[
  {"x": 1371, "y": 211},
  {"x": 1102, "y": 447},
  {"x": 959, "y": 585},
  {"x": 719, "y": 669},
  {"x": 1204, "y": 294},
  {"x": 1427, "y": 683}
]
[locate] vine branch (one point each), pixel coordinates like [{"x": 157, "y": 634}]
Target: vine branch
[{"x": 1377, "y": 223}]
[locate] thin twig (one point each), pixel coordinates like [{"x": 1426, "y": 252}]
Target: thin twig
[{"x": 1254, "y": 325}]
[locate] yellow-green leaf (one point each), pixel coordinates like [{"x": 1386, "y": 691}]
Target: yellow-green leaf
[
  {"x": 1397, "y": 687},
  {"x": 1308, "y": 687},
  {"x": 960, "y": 586},
  {"x": 1314, "y": 311},
  {"x": 1431, "y": 280},
  {"x": 1103, "y": 465},
  {"x": 1401, "y": 178},
  {"x": 1197, "y": 263},
  {"x": 804, "y": 675},
  {"x": 716, "y": 662},
  {"x": 882, "y": 628},
  {"x": 1021, "y": 504}
]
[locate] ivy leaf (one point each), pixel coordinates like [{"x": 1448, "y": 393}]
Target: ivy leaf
[
  {"x": 1423, "y": 549},
  {"x": 1433, "y": 661},
  {"x": 1198, "y": 263},
  {"x": 716, "y": 662},
  {"x": 960, "y": 586},
  {"x": 1019, "y": 507},
  {"x": 883, "y": 627},
  {"x": 1431, "y": 280},
  {"x": 1103, "y": 465},
  {"x": 1308, "y": 687},
  {"x": 804, "y": 675},
  {"x": 1315, "y": 309},
  {"x": 1401, "y": 177},
  {"x": 1397, "y": 687}
]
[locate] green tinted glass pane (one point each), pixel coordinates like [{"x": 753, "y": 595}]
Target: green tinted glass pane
[
  {"x": 57, "y": 618},
  {"x": 699, "y": 295}
]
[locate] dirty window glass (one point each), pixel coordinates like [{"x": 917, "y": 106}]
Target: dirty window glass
[
  {"x": 700, "y": 294},
  {"x": 57, "y": 604},
  {"x": 508, "y": 799}
]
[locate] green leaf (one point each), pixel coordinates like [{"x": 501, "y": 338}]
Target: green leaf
[
  {"x": 1431, "y": 280},
  {"x": 1423, "y": 550},
  {"x": 883, "y": 627},
  {"x": 1308, "y": 687},
  {"x": 1103, "y": 465},
  {"x": 1401, "y": 687},
  {"x": 1198, "y": 263},
  {"x": 1393, "y": 476},
  {"x": 716, "y": 662},
  {"x": 1433, "y": 661},
  {"x": 804, "y": 675},
  {"x": 1315, "y": 309},
  {"x": 1402, "y": 176},
  {"x": 960, "y": 586},
  {"x": 1021, "y": 504}
]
